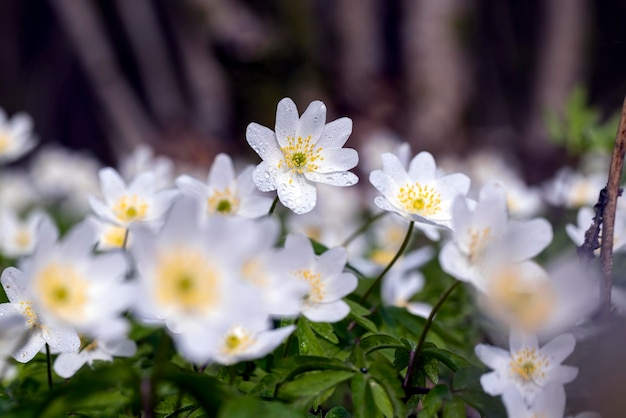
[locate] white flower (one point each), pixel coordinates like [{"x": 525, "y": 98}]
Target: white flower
[
  {"x": 549, "y": 403},
  {"x": 189, "y": 276},
  {"x": 17, "y": 190},
  {"x": 484, "y": 237},
  {"x": 225, "y": 193},
  {"x": 67, "y": 364},
  {"x": 66, "y": 177},
  {"x": 324, "y": 276},
  {"x": 526, "y": 367},
  {"x": 18, "y": 236},
  {"x": 302, "y": 151},
  {"x": 572, "y": 189},
  {"x": 63, "y": 288},
  {"x": 141, "y": 160},
  {"x": 401, "y": 283},
  {"x": 16, "y": 137},
  {"x": 420, "y": 194},
  {"x": 584, "y": 219},
  {"x": 140, "y": 201}
]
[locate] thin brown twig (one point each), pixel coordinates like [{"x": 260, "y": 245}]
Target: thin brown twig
[{"x": 613, "y": 191}]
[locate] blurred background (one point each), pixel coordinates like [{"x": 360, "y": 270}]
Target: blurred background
[{"x": 186, "y": 77}]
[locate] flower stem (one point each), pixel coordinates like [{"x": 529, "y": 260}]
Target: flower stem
[
  {"x": 273, "y": 207},
  {"x": 403, "y": 248},
  {"x": 49, "y": 366},
  {"x": 125, "y": 239},
  {"x": 415, "y": 353},
  {"x": 363, "y": 228}
]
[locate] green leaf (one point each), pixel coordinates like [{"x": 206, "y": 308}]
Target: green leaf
[
  {"x": 431, "y": 368},
  {"x": 454, "y": 408},
  {"x": 385, "y": 375},
  {"x": 362, "y": 399},
  {"x": 487, "y": 405},
  {"x": 248, "y": 407},
  {"x": 312, "y": 384},
  {"x": 338, "y": 412},
  {"x": 307, "y": 341},
  {"x": 380, "y": 341},
  {"x": 324, "y": 330},
  {"x": 433, "y": 401},
  {"x": 451, "y": 360},
  {"x": 357, "y": 314},
  {"x": 467, "y": 377},
  {"x": 382, "y": 401}
]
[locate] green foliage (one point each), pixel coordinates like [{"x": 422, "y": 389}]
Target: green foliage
[{"x": 580, "y": 128}]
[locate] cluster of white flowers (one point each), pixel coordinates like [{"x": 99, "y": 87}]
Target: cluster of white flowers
[{"x": 201, "y": 258}]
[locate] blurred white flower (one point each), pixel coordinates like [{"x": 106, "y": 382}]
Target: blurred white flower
[
  {"x": 324, "y": 275},
  {"x": 526, "y": 367},
  {"x": 418, "y": 194},
  {"x": 484, "y": 237},
  {"x": 18, "y": 236},
  {"x": 225, "y": 193},
  {"x": 142, "y": 160},
  {"x": 67, "y": 364},
  {"x": 140, "y": 201},
  {"x": 584, "y": 219},
  {"x": 300, "y": 152},
  {"x": 110, "y": 236},
  {"x": 65, "y": 176},
  {"x": 16, "y": 136},
  {"x": 572, "y": 189},
  {"x": 402, "y": 282},
  {"x": 17, "y": 190},
  {"x": 189, "y": 277}
]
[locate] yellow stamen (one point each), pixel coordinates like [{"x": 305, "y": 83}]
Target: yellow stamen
[
  {"x": 300, "y": 155},
  {"x": 62, "y": 291},
  {"x": 420, "y": 199},
  {"x": 114, "y": 236},
  {"x": 316, "y": 287},
  {"x": 186, "y": 280},
  {"x": 528, "y": 364},
  {"x": 237, "y": 341},
  {"x": 223, "y": 201},
  {"x": 130, "y": 208}
]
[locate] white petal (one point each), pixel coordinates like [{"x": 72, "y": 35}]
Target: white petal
[
  {"x": 559, "y": 348},
  {"x": 327, "y": 312},
  {"x": 456, "y": 264},
  {"x": 64, "y": 339},
  {"x": 296, "y": 193},
  {"x": 101, "y": 210},
  {"x": 222, "y": 173},
  {"x": 192, "y": 187},
  {"x": 419, "y": 309},
  {"x": 550, "y": 402},
  {"x": 265, "y": 175},
  {"x": 112, "y": 184},
  {"x": 13, "y": 283},
  {"x": 341, "y": 286},
  {"x": 21, "y": 124},
  {"x": 519, "y": 340},
  {"x": 312, "y": 121},
  {"x": 563, "y": 374},
  {"x": 263, "y": 141},
  {"x": 341, "y": 179},
  {"x": 341, "y": 159},
  {"x": 67, "y": 364},
  {"x": 527, "y": 239},
  {"x": 422, "y": 167},
  {"x": 34, "y": 344},
  {"x": 332, "y": 261},
  {"x": 335, "y": 133},
  {"x": 79, "y": 241},
  {"x": 492, "y": 383},
  {"x": 392, "y": 166},
  {"x": 384, "y": 183},
  {"x": 143, "y": 184},
  {"x": 266, "y": 342},
  {"x": 255, "y": 206},
  {"x": 493, "y": 357},
  {"x": 286, "y": 121}
]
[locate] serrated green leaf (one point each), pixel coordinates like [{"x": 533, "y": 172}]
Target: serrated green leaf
[
  {"x": 312, "y": 384},
  {"x": 401, "y": 359},
  {"x": 454, "y": 408},
  {"x": 380, "y": 341},
  {"x": 248, "y": 407},
  {"x": 451, "y": 360},
  {"x": 338, "y": 412},
  {"x": 307, "y": 341},
  {"x": 324, "y": 330},
  {"x": 382, "y": 401}
]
